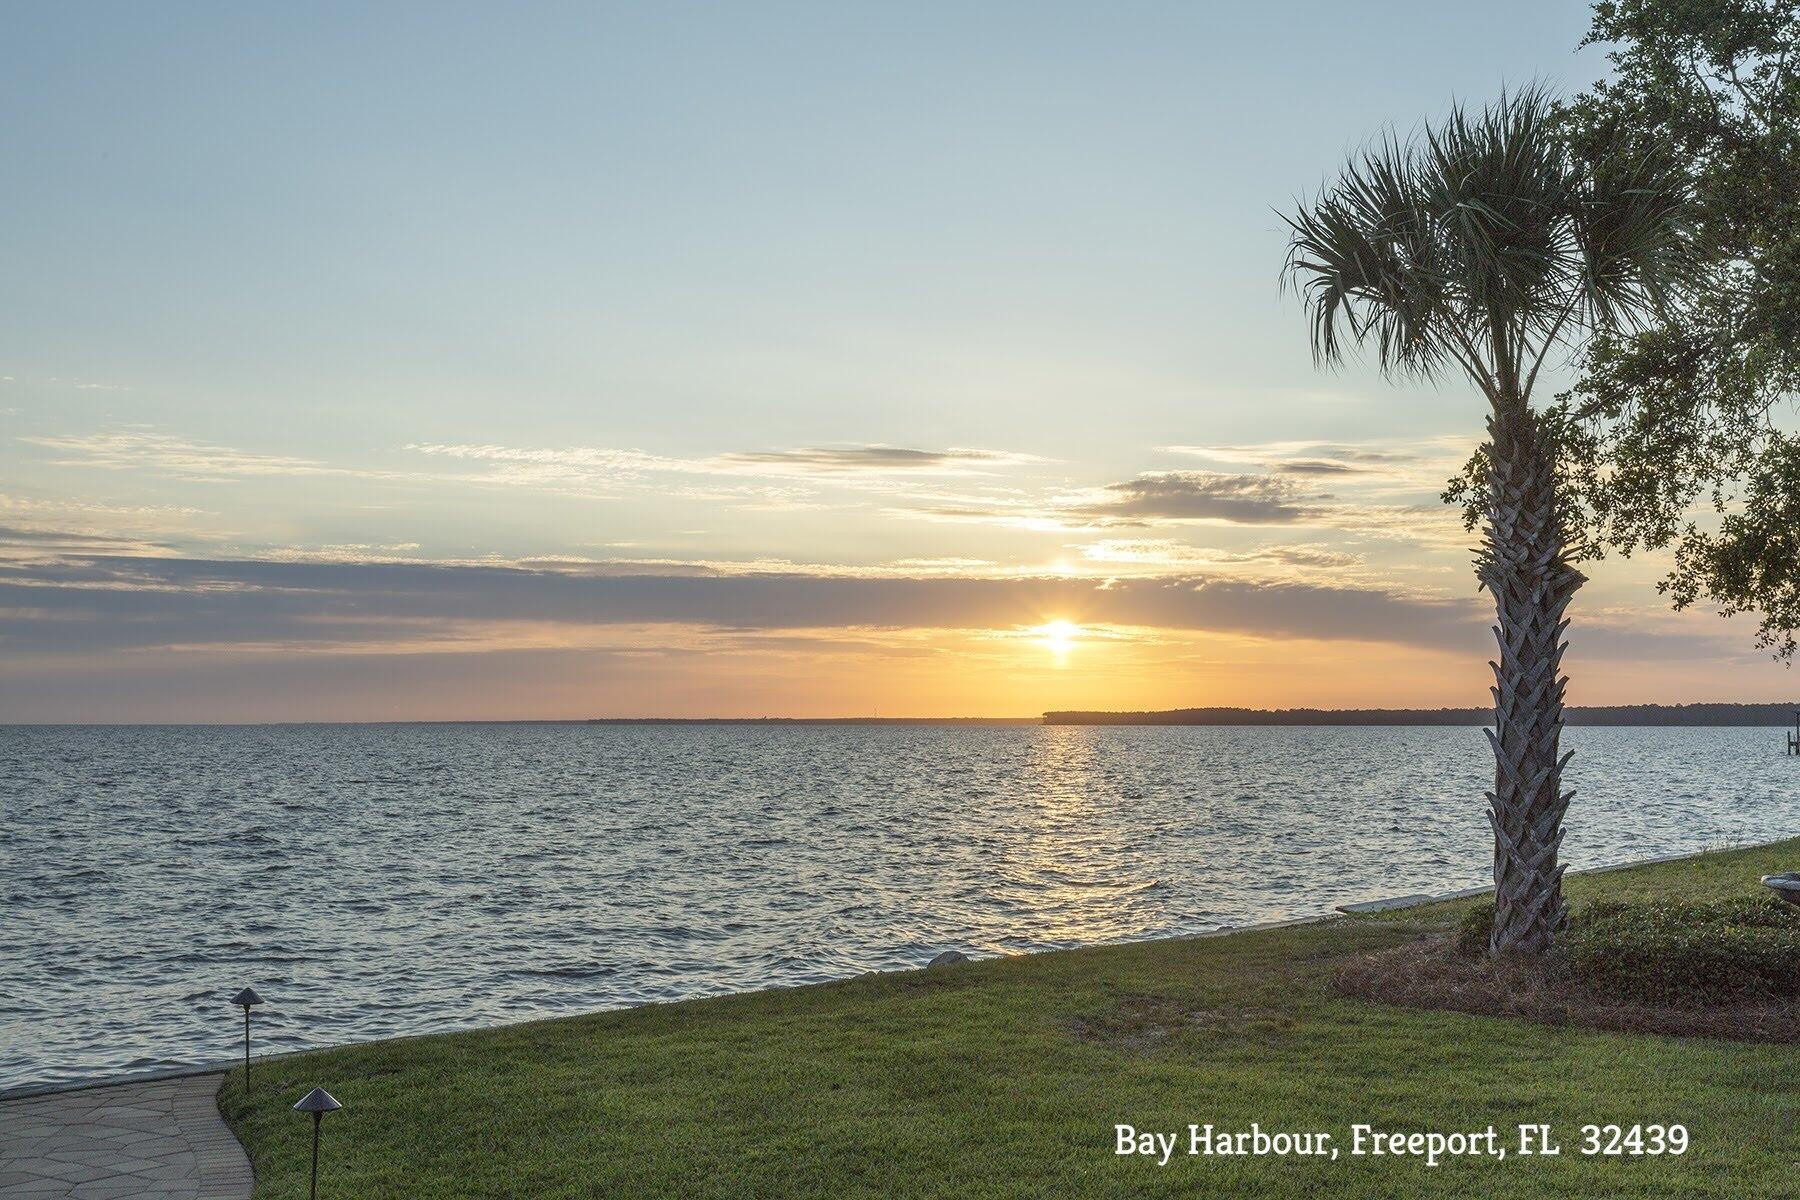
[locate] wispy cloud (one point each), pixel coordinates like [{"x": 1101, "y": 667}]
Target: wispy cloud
[
  {"x": 1162, "y": 496},
  {"x": 181, "y": 458},
  {"x": 590, "y": 464},
  {"x": 1152, "y": 498},
  {"x": 875, "y": 458},
  {"x": 346, "y": 552},
  {"x": 37, "y": 542},
  {"x": 1165, "y": 553},
  {"x": 775, "y": 480},
  {"x": 62, "y": 507},
  {"x": 36, "y": 527},
  {"x": 1420, "y": 462},
  {"x": 1389, "y": 492},
  {"x": 83, "y": 385},
  {"x": 766, "y": 480},
  {"x": 575, "y": 460}
]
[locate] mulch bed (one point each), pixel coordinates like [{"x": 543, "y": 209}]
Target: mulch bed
[{"x": 1430, "y": 974}]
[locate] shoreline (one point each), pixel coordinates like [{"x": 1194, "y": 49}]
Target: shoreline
[{"x": 1360, "y": 908}]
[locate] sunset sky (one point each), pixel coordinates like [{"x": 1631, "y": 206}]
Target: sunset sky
[{"x": 445, "y": 361}]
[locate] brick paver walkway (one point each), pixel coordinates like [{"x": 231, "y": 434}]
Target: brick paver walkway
[{"x": 162, "y": 1140}]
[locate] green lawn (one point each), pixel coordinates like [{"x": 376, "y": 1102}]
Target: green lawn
[{"x": 1006, "y": 1078}]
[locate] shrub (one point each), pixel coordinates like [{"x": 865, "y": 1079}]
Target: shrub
[
  {"x": 1685, "y": 952},
  {"x": 1669, "y": 952},
  {"x": 1472, "y": 934}
]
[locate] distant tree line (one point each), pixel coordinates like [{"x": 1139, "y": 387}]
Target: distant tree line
[{"x": 1617, "y": 714}]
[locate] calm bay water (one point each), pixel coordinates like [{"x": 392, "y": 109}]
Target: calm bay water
[{"x": 380, "y": 880}]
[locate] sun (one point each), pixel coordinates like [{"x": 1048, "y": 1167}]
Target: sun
[{"x": 1059, "y": 636}]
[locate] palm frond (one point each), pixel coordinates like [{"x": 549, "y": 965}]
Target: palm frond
[{"x": 1483, "y": 241}]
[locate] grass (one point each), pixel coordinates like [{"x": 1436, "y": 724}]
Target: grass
[{"x": 1005, "y": 1078}]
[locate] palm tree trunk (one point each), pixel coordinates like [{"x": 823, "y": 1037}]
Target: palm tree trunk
[{"x": 1523, "y": 564}]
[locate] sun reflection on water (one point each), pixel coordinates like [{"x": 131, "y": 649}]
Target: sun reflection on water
[{"x": 1076, "y": 867}]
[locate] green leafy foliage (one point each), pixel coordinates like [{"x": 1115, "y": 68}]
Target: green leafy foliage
[
  {"x": 1472, "y": 931},
  {"x": 1664, "y": 952},
  {"x": 1673, "y": 435},
  {"x": 1671, "y": 951}
]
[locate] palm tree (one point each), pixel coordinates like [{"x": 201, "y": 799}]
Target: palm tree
[{"x": 1485, "y": 243}]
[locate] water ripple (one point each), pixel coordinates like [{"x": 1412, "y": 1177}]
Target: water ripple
[{"x": 373, "y": 881}]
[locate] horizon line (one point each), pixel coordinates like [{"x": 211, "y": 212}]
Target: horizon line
[{"x": 1062, "y": 717}]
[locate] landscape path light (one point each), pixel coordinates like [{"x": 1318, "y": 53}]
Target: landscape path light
[
  {"x": 247, "y": 999},
  {"x": 318, "y": 1102}
]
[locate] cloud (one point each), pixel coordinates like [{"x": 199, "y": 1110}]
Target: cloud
[
  {"x": 1432, "y": 526},
  {"x": 87, "y": 636},
  {"x": 12, "y": 536},
  {"x": 772, "y": 479},
  {"x": 102, "y": 603},
  {"x": 37, "y": 544},
  {"x": 1417, "y": 462},
  {"x": 1317, "y": 466},
  {"x": 942, "y": 564},
  {"x": 574, "y": 460},
  {"x": 545, "y": 464},
  {"x": 875, "y": 458},
  {"x": 32, "y": 527},
  {"x": 350, "y": 552},
  {"x": 84, "y": 385},
  {"x": 181, "y": 458},
  {"x": 1165, "y": 553},
  {"x": 1384, "y": 491},
  {"x": 1200, "y": 496},
  {"x": 63, "y": 507},
  {"x": 1153, "y": 498},
  {"x": 1166, "y": 498}
]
